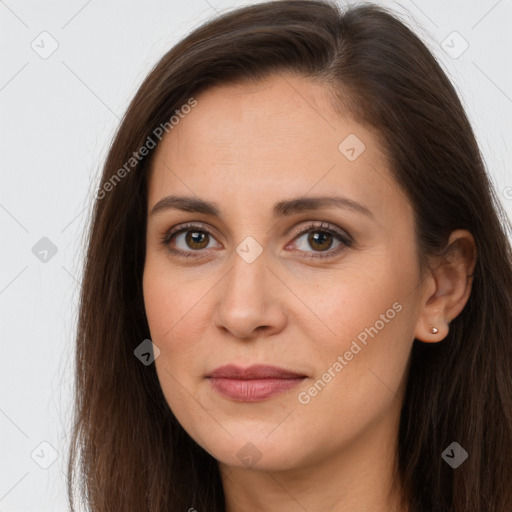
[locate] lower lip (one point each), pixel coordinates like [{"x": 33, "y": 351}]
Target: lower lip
[{"x": 252, "y": 390}]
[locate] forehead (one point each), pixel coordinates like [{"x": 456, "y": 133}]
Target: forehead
[
  {"x": 270, "y": 119},
  {"x": 280, "y": 137}
]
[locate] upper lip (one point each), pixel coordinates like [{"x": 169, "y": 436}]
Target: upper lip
[{"x": 257, "y": 371}]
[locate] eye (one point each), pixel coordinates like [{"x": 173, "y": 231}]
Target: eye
[
  {"x": 321, "y": 238},
  {"x": 194, "y": 238}
]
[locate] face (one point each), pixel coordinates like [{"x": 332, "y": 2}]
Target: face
[{"x": 325, "y": 290}]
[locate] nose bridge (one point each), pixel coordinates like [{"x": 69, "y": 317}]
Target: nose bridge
[
  {"x": 248, "y": 274},
  {"x": 246, "y": 301}
]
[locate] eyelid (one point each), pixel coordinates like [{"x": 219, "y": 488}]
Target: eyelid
[
  {"x": 323, "y": 226},
  {"x": 180, "y": 228}
]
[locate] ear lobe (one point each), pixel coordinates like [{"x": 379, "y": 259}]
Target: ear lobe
[
  {"x": 429, "y": 333},
  {"x": 452, "y": 277}
]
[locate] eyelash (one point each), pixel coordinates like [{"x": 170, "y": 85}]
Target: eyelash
[{"x": 345, "y": 239}]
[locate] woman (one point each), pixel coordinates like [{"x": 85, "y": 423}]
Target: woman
[{"x": 298, "y": 286}]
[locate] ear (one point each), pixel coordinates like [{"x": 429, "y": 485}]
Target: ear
[{"x": 447, "y": 287}]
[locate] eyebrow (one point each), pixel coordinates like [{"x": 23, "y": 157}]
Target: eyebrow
[{"x": 281, "y": 209}]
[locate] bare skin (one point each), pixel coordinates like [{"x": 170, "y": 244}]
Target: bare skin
[{"x": 247, "y": 147}]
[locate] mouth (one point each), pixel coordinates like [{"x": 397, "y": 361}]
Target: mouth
[{"x": 252, "y": 384}]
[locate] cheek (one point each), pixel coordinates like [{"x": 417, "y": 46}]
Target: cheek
[
  {"x": 167, "y": 299},
  {"x": 173, "y": 309},
  {"x": 365, "y": 323},
  {"x": 342, "y": 306},
  {"x": 176, "y": 313}
]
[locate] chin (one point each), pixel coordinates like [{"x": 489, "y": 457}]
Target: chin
[{"x": 252, "y": 452}]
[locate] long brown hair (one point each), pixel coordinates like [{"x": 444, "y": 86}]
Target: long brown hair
[{"x": 129, "y": 451}]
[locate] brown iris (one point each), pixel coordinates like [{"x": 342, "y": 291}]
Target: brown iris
[
  {"x": 320, "y": 237},
  {"x": 193, "y": 237}
]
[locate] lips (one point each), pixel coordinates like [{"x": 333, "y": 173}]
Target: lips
[
  {"x": 252, "y": 384},
  {"x": 257, "y": 371}
]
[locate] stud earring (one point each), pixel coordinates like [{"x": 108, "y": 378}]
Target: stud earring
[{"x": 433, "y": 329}]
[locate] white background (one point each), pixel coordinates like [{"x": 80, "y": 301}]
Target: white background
[{"x": 58, "y": 116}]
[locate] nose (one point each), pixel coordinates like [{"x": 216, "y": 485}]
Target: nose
[{"x": 249, "y": 301}]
